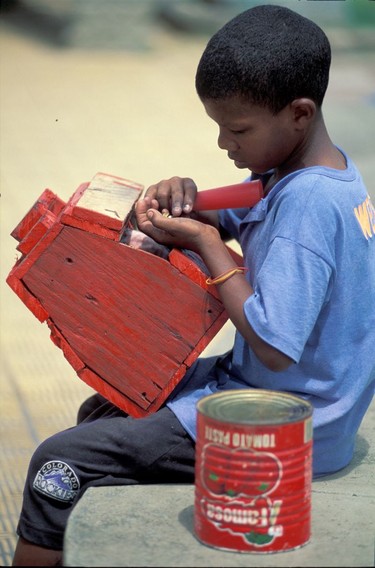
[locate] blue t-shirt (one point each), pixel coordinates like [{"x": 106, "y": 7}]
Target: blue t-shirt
[{"x": 309, "y": 246}]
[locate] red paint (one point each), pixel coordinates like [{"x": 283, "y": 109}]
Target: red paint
[
  {"x": 48, "y": 201},
  {"x": 253, "y": 474},
  {"x": 128, "y": 322}
]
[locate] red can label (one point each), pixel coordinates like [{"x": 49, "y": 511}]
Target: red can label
[{"x": 253, "y": 485}]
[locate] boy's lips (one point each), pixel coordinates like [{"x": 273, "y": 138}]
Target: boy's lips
[{"x": 238, "y": 163}]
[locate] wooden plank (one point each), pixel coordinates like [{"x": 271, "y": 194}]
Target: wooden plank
[
  {"x": 23, "y": 264},
  {"x": 60, "y": 341},
  {"x": 130, "y": 316},
  {"x": 90, "y": 227},
  {"x": 206, "y": 338},
  {"x": 128, "y": 322},
  {"x": 22, "y": 267},
  {"x": 107, "y": 200},
  {"x": 191, "y": 270},
  {"x": 110, "y": 393},
  {"x": 47, "y": 201},
  {"x": 26, "y": 297},
  {"x": 37, "y": 231}
]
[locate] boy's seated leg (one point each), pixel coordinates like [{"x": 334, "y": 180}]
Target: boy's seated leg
[
  {"x": 111, "y": 449},
  {"x": 29, "y": 554},
  {"x": 89, "y": 406}
]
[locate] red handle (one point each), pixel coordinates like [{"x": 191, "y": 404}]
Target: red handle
[{"x": 244, "y": 194}]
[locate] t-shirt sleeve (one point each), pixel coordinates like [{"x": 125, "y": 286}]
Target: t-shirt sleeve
[
  {"x": 230, "y": 219},
  {"x": 291, "y": 289}
]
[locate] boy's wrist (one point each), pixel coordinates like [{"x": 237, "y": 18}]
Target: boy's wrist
[
  {"x": 208, "y": 241},
  {"x": 214, "y": 252}
]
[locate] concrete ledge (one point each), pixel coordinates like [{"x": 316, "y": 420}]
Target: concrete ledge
[{"x": 152, "y": 525}]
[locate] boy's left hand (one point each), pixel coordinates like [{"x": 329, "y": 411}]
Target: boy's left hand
[{"x": 180, "y": 232}]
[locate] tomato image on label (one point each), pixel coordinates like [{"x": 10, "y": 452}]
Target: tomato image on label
[
  {"x": 240, "y": 482},
  {"x": 234, "y": 472}
]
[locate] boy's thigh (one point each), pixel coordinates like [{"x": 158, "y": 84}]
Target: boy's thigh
[
  {"x": 152, "y": 449},
  {"x": 163, "y": 450},
  {"x": 90, "y": 406}
]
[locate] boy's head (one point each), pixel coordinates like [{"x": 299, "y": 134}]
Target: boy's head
[{"x": 269, "y": 56}]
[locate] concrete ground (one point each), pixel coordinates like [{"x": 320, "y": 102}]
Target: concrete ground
[{"x": 68, "y": 112}]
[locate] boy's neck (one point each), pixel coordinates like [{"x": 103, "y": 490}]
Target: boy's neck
[
  {"x": 316, "y": 150},
  {"x": 320, "y": 150}
]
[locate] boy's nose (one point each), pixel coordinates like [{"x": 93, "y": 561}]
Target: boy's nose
[{"x": 226, "y": 143}]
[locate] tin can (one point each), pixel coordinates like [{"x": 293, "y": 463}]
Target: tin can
[{"x": 253, "y": 471}]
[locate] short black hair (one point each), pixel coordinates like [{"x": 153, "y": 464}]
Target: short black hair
[{"x": 268, "y": 55}]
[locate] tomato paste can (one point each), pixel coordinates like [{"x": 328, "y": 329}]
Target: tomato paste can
[{"x": 253, "y": 471}]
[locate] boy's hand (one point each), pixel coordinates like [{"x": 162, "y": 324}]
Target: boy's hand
[
  {"x": 179, "y": 232},
  {"x": 176, "y": 195}
]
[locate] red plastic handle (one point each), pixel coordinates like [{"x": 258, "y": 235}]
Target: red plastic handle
[{"x": 244, "y": 194}]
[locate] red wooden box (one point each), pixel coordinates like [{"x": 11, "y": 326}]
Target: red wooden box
[{"x": 130, "y": 323}]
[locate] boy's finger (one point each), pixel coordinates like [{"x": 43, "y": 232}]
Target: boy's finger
[{"x": 190, "y": 191}]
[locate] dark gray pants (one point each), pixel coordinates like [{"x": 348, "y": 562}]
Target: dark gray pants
[{"x": 107, "y": 447}]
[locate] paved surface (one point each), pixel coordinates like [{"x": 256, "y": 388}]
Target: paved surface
[{"x": 67, "y": 113}]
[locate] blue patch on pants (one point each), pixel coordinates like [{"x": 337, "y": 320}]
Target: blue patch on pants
[{"x": 57, "y": 480}]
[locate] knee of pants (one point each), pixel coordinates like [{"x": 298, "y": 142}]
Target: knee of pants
[
  {"x": 52, "y": 473},
  {"x": 53, "y": 454},
  {"x": 50, "y": 449}
]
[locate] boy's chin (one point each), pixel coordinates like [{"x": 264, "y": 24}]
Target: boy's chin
[{"x": 241, "y": 165}]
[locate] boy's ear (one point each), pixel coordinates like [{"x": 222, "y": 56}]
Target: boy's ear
[{"x": 303, "y": 111}]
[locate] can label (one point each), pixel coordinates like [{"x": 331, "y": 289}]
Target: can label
[{"x": 253, "y": 483}]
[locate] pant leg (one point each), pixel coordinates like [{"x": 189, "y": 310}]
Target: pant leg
[
  {"x": 115, "y": 449},
  {"x": 89, "y": 406}
]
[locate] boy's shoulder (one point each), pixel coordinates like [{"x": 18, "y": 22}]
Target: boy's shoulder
[
  {"x": 317, "y": 204},
  {"x": 320, "y": 187}
]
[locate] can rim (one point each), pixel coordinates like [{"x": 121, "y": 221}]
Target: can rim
[{"x": 268, "y": 407}]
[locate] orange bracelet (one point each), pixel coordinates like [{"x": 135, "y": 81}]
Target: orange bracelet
[{"x": 226, "y": 275}]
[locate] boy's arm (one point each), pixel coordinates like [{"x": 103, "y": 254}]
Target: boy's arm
[
  {"x": 233, "y": 293},
  {"x": 204, "y": 239}
]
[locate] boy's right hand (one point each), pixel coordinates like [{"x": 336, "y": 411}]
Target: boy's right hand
[{"x": 176, "y": 195}]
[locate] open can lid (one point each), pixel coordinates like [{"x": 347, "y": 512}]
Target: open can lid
[{"x": 255, "y": 406}]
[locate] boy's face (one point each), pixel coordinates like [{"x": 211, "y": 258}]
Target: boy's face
[{"x": 253, "y": 137}]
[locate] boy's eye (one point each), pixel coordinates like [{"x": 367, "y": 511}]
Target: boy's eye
[{"x": 238, "y": 131}]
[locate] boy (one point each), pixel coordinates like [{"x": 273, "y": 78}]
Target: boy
[{"x": 303, "y": 306}]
